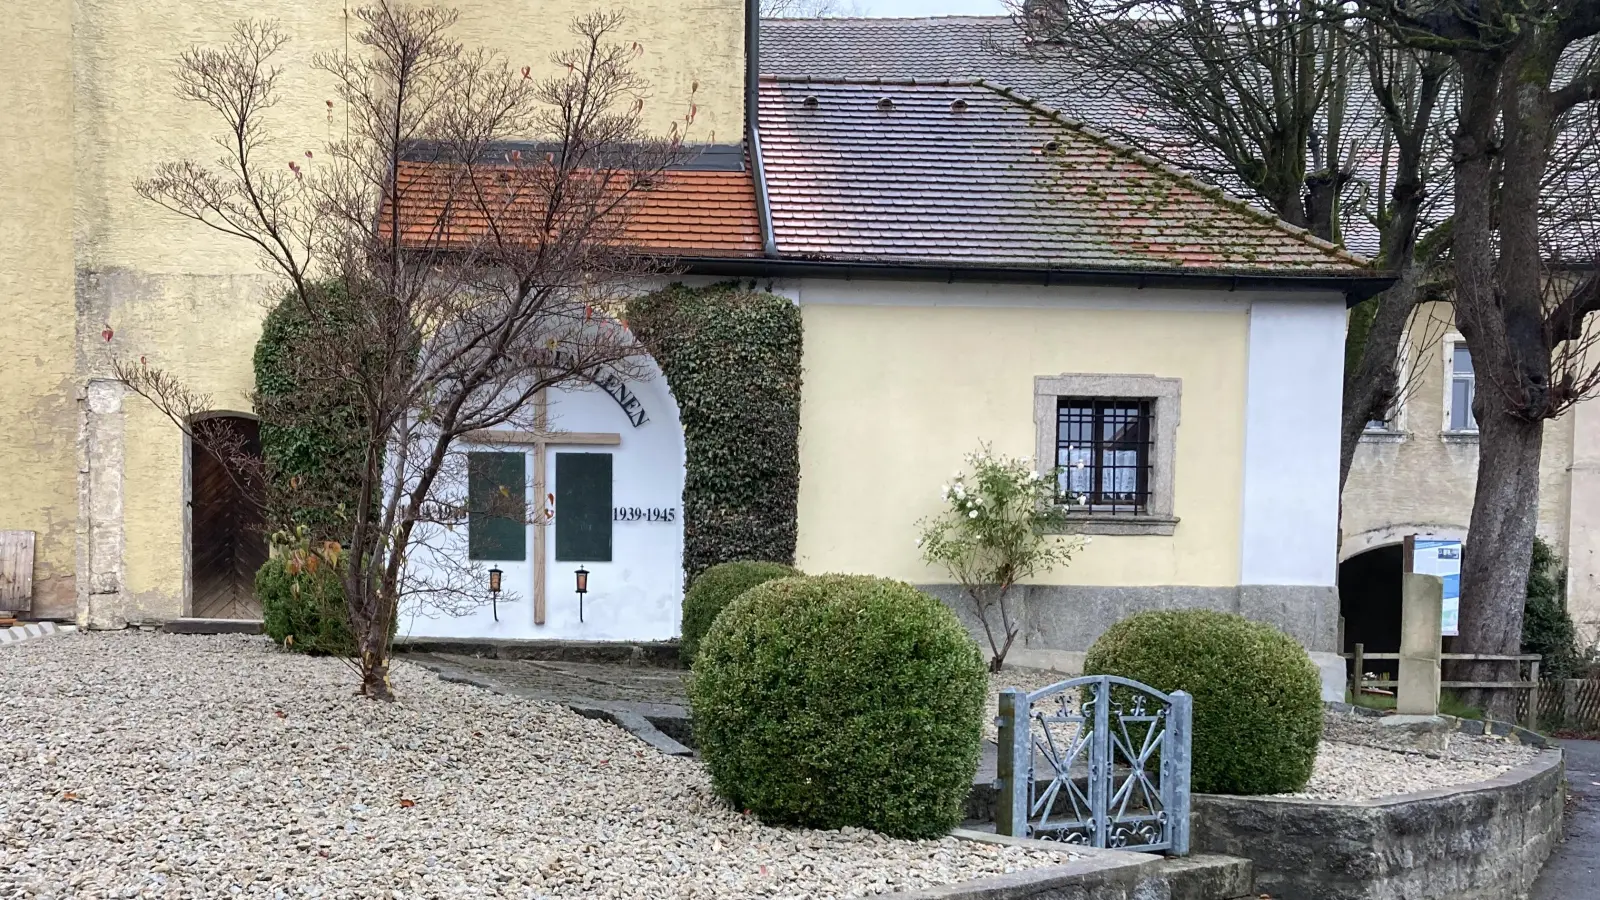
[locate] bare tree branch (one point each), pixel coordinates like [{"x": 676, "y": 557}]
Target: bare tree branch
[{"x": 473, "y": 222}]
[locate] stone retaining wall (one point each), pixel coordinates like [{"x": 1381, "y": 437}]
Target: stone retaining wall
[{"x": 1483, "y": 841}]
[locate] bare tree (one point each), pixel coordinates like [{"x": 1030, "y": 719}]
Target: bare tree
[
  {"x": 1530, "y": 83},
  {"x": 1327, "y": 121},
  {"x": 807, "y": 9},
  {"x": 475, "y": 272}
]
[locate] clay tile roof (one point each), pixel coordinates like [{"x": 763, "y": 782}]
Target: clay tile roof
[
  {"x": 997, "y": 180},
  {"x": 695, "y": 213}
]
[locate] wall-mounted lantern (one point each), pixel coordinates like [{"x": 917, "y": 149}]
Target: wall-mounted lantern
[
  {"x": 583, "y": 588},
  {"x": 494, "y": 590}
]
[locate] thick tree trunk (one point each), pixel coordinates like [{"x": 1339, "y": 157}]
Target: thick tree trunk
[
  {"x": 1372, "y": 384},
  {"x": 1499, "y": 549}
]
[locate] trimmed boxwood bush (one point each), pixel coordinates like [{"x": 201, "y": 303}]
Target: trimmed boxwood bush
[
  {"x": 715, "y": 589},
  {"x": 840, "y": 700},
  {"x": 303, "y": 606},
  {"x": 1257, "y": 695}
]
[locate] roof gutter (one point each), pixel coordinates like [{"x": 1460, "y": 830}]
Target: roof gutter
[
  {"x": 752, "y": 128},
  {"x": 1355, "y": 288}
]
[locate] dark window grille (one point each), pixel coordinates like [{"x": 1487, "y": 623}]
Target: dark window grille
[{"x": 1103, "y": 447}]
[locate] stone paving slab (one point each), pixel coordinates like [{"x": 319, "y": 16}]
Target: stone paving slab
[
  {"x": 609, "y": 682},
  {"x": 648, "y": 702}
]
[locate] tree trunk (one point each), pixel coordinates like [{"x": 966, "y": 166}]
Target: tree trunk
[
  {"x": 375, "y": 670},
  {"x": 1499, "y": 549},
  {"x": 1372, "y": 384}
]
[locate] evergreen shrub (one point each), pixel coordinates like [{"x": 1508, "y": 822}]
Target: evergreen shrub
[
  {"x": 1257, "y": 694},
  {"x": 840, "y": 700},
  {"x": 714, "y": 590}
]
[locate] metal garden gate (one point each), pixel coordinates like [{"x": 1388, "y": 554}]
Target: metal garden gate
[{"x": 1100, "y": 760}]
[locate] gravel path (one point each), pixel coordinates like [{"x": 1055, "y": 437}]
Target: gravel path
[
  {"x": 1358, "y": 759},
  {"x": 143, "y": 765}
]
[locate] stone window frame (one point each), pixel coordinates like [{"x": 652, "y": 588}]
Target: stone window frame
[
  {"x": 1395, "y": 430},
  {"x": 1165, "y": 395}
]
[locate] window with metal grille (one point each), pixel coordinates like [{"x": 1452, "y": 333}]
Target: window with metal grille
[{"x": 1103, "y": 447}]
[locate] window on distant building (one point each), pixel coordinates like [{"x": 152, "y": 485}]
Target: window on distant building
[
  {"x": 1462, "y": 384},
  {"x": 1114, "y": 438}
]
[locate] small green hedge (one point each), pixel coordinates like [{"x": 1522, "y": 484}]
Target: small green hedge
[
  {"x": 714, "y": 590},
  {"x": 1257, "y": 695},
  {"x": 840, "y": 700},
  {"x": 303, "y": 607}
]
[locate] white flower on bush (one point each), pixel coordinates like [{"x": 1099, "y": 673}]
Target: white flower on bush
[{"x": 1000, "y": 524}]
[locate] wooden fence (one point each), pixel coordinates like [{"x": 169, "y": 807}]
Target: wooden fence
[
  {"x": 1570, "y": 704},
  {"x": 1530, "y": 689}
]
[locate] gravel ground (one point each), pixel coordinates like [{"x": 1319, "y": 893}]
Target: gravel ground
[
  {"x": 143, "y": 765},
  {"x": 1361, "y": 760},
  {"x": 1029, "y": 680},
  {"x": 1358, "y": 759}
]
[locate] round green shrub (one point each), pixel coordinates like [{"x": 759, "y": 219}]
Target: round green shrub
[
  {"x": 1257, "y": 695},
  {"x": 714, "y": 590},
  {"x": 303, "y": 606},
  {"x": 840, "y": 700}
]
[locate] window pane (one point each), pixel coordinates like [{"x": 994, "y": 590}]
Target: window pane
[
  {"x": 1104, "y": 449},
  {"x": 1461, "y": 360},
  {"x": 1461, "y": 405}
]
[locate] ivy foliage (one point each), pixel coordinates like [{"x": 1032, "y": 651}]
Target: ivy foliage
[
  {"x": 313, "y": 432},
  {"x": 732, "y": 360},
  {"x": 1547, "y": 627}
]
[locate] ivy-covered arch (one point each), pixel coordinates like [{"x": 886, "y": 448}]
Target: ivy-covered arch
[{"x": 732, "y": 360}]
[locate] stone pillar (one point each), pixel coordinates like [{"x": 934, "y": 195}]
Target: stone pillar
[
  {"x": 1421, "y": 604},
  {"x": 1583, "y": 523},
  {"x": 100, "y": 587}
]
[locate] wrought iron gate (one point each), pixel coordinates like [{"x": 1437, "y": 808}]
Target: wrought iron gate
[{"x": 1100, "y": 760}]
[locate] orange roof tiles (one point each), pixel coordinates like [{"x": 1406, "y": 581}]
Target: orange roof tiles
[{"x": 684, "y": 213}]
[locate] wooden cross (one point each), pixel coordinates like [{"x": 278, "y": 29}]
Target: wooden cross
[{"x": 539, "y": 439}]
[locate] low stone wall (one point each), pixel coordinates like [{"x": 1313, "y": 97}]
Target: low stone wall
[{"x": 1483, "y": 841}]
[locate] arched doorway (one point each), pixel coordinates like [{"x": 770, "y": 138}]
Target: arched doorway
[
  {"x": 1369, "y": 602},
  {"x": 227, "y": 540}
]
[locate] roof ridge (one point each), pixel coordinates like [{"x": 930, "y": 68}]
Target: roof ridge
[
  {"x": 892, "y": 81},
  {"x": 1147, "y": 160}
]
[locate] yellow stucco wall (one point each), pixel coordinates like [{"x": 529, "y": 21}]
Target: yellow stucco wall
[
  {"x": 87, "y": 87},
  {"x": 895, "y": 396},
  {"x": 38, "y": 406}
]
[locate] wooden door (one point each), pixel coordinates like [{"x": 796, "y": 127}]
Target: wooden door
[{"x": 227, "y": 539}]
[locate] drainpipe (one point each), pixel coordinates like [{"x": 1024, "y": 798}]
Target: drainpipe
[{"x": 752, "y": 130}]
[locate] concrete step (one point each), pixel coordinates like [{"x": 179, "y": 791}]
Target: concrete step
[{"x": 212, "y": 626}]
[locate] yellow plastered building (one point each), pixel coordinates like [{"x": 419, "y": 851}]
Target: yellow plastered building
[{"x": 90, "y": 273}]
